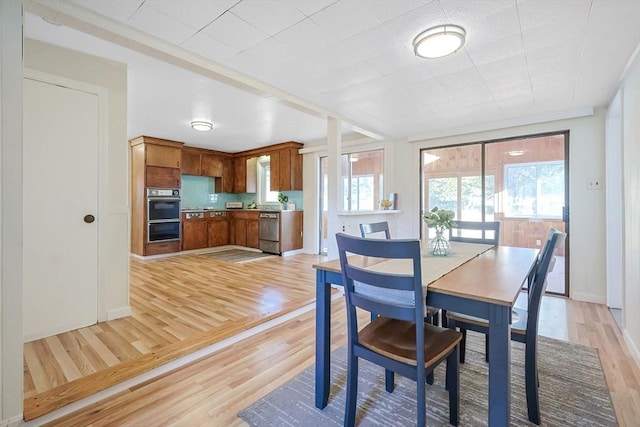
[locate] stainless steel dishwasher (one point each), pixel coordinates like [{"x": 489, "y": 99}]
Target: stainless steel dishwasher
[{"x": 269, "y": 232}]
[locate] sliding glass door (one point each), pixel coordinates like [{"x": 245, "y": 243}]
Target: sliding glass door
[{"x": 520, "y": 182}]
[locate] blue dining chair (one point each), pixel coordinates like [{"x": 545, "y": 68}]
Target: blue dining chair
[
  {"x": 525, "y": 325},
  {"x": 398, "y": 340},
  {"x": 377, "y": 228},
  {"x": 475, "y": 232}
]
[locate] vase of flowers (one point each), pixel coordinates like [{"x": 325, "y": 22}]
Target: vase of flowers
[
  {"x": 386, "y": 204},
  {"x": 439, "y": 220},
  {"x": 283, "y": 199}
]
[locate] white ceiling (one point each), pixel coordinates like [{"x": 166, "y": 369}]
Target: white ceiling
[{"x": 350, "y": 59}]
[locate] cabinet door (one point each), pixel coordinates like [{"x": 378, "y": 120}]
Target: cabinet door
[
  {"x": 296, "y": 170},
  {"x": 194, "y": 234},
  {"x": 253, "y": 233},
  {"x": 240, "y": 175},
  {"x": 160, "y": 177},
  {"x": 190, "y": 163},
  {"x": 239, "y": 228},
  {"x": 227, "y": 175},
  {"x": 161, "y": 155},
  {"x": 211, "y": 165},
  {"x": 218, "y": 232},
  {"x": 284, "y": 170},
  {"x": 274, "y": 166}
]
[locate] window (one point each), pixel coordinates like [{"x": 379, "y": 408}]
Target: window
[
  {"x": 534, "y": 190},
  {"x": 463, "y": 195},
  {"x": 362, "y": 178},
  {"x": 265, "y": 195}
]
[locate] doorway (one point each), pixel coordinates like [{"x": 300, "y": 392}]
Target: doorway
[{"x": 520, "y": 182}]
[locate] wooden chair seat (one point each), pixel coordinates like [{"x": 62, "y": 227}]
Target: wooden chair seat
[{"x": 396, "y": 339}]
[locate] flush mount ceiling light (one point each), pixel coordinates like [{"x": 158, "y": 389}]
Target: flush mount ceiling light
[
  {"x": 515, "y": 153},
  {"x": 439, "y": 41},
  {"x": 201, "y": 125}
]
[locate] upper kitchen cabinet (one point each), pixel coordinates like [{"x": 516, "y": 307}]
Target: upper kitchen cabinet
[
  {"x": 191, "y": 163},
  {"x": 157, "y": 161},
  {"x": 211, "y": 165},
  {"x": 240, "y": 175},
  {"x": 286, "y": 167},
  {"x": 228, "y": 181}
]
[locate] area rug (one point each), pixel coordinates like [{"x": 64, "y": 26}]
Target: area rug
[
  {"x": 573, "y": 392},
  {"x": 237, "y": 255}
]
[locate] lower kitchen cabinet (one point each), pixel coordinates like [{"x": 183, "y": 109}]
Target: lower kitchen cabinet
[
  {"x": 218, "y": 232},
  {"x": 244, "y": 229},
  {"x": 194, "y": 231}
]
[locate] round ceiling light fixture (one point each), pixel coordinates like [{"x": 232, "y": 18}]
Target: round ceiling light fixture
[
  {"x": 439, "y": 41},
  {"x": 201, "y": 125}
]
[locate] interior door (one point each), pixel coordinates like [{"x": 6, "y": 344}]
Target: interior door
[{"x": 60, "y": 245}]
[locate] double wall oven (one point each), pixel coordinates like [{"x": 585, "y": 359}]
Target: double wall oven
[{"x": 163, "y": 214}]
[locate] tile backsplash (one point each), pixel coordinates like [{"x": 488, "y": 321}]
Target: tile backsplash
[{"x": 199, "y": 192}]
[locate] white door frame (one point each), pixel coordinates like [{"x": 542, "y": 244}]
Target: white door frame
[{"x": 103, "y": 134}]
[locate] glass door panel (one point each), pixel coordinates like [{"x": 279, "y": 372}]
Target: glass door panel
[{"x": 519, "y": 182}]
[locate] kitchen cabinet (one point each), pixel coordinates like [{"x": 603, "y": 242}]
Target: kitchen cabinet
[
  {"x": 194, "y": 231},
  {"x": 286, "y": 169},
  {"x": 290, "y": 230},
  {"x": 155, "y": 163},
  {"x": 191, "y": 163},
  {"x": 240, "y": 175},
  {"x": 227, "y": 175},
  {"x": 161, "y": 177},
  {"x": 244, "y": 228},
  {"x": 217, "y": 231},
  {"x": 211, "y": 165},
  {"x": 163, "y": 155}
]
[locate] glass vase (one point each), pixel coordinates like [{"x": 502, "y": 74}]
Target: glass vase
[{"x": 439, "y": 245}]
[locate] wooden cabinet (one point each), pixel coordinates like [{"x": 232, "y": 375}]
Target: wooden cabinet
[
  {"x": 163, "y": 155},
  {"x": 194, "y": 231},
  {"x": 227, "y": 175},
  {"x": 191, "y": 163},
  {"x": 290, "y": 230},
  {"x": 218, "y": 232},
  {"x": 286, "y": 169},
  {"x": 211, "y": 165},
  {"x": 244, "y": 229},
  {"x": 155, "y": 162},
  {"x": 240, "y": 175},
  {"x": 161, "y": 177}
]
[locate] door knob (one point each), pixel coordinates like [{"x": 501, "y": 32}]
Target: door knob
[{"x": 89, "y": 219}]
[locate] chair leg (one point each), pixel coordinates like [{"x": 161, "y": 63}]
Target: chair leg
[
  {"x": 352, "y": 391},
  {"x": 531, "y": 382},
  {"x": 430, "y": 378},
  {"x": 421, "y": 404},
  {"x": 389, "y": 380},
  {"x": 463, "y": 345},
  {"x": 453, "y": 386}
]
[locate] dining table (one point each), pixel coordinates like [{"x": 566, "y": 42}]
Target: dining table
[{"x": 474, "y": 279}]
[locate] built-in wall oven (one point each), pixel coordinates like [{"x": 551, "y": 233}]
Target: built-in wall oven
[{"x": 163, "y": 214}]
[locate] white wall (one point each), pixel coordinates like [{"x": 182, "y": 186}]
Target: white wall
[
  {"x": 114, "y": 240},
  {"x": 630, "y": 89},
  {"x": 586, "y": 160}
]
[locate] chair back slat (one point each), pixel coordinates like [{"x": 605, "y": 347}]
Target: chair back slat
[
  {"x": 374, "y": 228},
  {"x": 489, "y": 232}
]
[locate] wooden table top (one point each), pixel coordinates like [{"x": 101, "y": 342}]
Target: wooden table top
[{"x": 493, "y": 276}]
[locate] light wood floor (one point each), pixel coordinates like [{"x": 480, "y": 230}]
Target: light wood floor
[
  {"x": 212, "y": 390},
  {"x": 179, "y": 305}
]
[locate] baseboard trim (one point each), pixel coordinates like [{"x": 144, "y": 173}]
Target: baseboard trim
[
  {"x": 584, "y": 297},
  {"x": 118, "y": 313},
  {"x": 12, "y": 422},
  {"x": 633, "y": 348}
]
